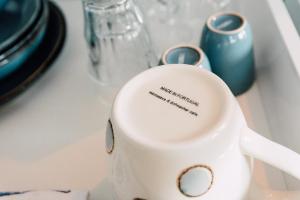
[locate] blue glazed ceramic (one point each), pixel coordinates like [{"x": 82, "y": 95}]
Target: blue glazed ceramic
[
  {"x": 16, "y": 55},
  {"x": 2, "y": 3},
  {"x": 228, "y": 43},
  {"x": 16, "y": 18},
  {"x": 21, "y": 56},
  {"x": 186, "y": 54}
]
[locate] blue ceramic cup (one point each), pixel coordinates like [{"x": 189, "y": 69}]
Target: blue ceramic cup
[
  {"x": 228, "y": 43},
  {"x": 185, "y": 54}
]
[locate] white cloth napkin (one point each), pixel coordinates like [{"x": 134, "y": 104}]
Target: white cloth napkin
[{"x": 44, "y": 195}]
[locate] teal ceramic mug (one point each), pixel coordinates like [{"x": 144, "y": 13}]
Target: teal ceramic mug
[
  {"x": 227, "y": 41},
  {"x": 185, "y": 54}
]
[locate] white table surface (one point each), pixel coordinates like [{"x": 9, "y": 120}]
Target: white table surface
[{"x": 52, "y": 136}]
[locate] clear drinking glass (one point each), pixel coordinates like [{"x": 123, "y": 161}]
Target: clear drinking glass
[
  {"x": 219, "y": 4},
  {"x": 119, "y": 44},
  {"x": 173, "y": 22},
  {"x": 166, "y": 23},
  {"x": 196, "y": 12}
]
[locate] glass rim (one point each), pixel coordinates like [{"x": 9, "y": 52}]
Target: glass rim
[{"x": 104, "y": 5}]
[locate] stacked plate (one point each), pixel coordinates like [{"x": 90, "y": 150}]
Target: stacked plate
[
  {"x": 2, "y": 3},
  {"x": 22, "y": 28}
]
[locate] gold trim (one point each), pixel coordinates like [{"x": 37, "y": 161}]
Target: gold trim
[
  {"x": 193, "y": 167},
  {"x": 109, "y": 151}
]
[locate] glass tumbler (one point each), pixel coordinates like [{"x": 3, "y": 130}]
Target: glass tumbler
[
  {"x": 166, "y": 23},
  {"x": 173, "y": 22},
  {"x": 118, "y": 41}
]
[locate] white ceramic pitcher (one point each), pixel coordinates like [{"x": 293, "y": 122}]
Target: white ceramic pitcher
[{"x": 176, "y": 132}]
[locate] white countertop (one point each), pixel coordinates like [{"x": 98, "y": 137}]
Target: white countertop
[{"x": 51, "y": 134}]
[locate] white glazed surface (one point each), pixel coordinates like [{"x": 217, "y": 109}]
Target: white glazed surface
[
  {"x": 149, "y": 168},
  {"x": 170, "y": 118},
  {"x": 174, "y": 117}
]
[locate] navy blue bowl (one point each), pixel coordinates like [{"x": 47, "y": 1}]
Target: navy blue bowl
[
  {"x": 17, "y": 17},
  {"x": 15, "y": 56},
  {"x": 2, "y": 3}
]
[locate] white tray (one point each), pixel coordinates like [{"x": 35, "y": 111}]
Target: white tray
[{"x": 52, "y": 135}]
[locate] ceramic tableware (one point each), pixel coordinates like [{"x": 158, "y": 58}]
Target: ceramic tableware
[
  {"x": 118, "y": 42},
  {"x": 177, "y": 132},
  {"x": 16, "y": 19},
  {"x": 40, "y": 60},
  {"x": 228, "y": 43},
  {"x": 185, "y": 54},
  {"x": 18, "y": 47},
  {"x": 2, "y": 4}
]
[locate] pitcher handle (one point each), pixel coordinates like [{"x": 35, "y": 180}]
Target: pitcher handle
[{"x": 256, "y": 146}]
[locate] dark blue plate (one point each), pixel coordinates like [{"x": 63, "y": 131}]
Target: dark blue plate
[
  {"x": 2, "y": 3},
  {"x": 14, "y": 57},
  {"x": 40, "y": 60},
  {"x": 16, "y": 17}
]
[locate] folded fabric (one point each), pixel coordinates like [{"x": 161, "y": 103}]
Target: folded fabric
[{"x": 45, "y": 195}]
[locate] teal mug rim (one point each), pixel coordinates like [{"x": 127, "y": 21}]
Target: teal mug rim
[
  {"x": 195, "y": 48},
  {"x": 217, "y": 15}
]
